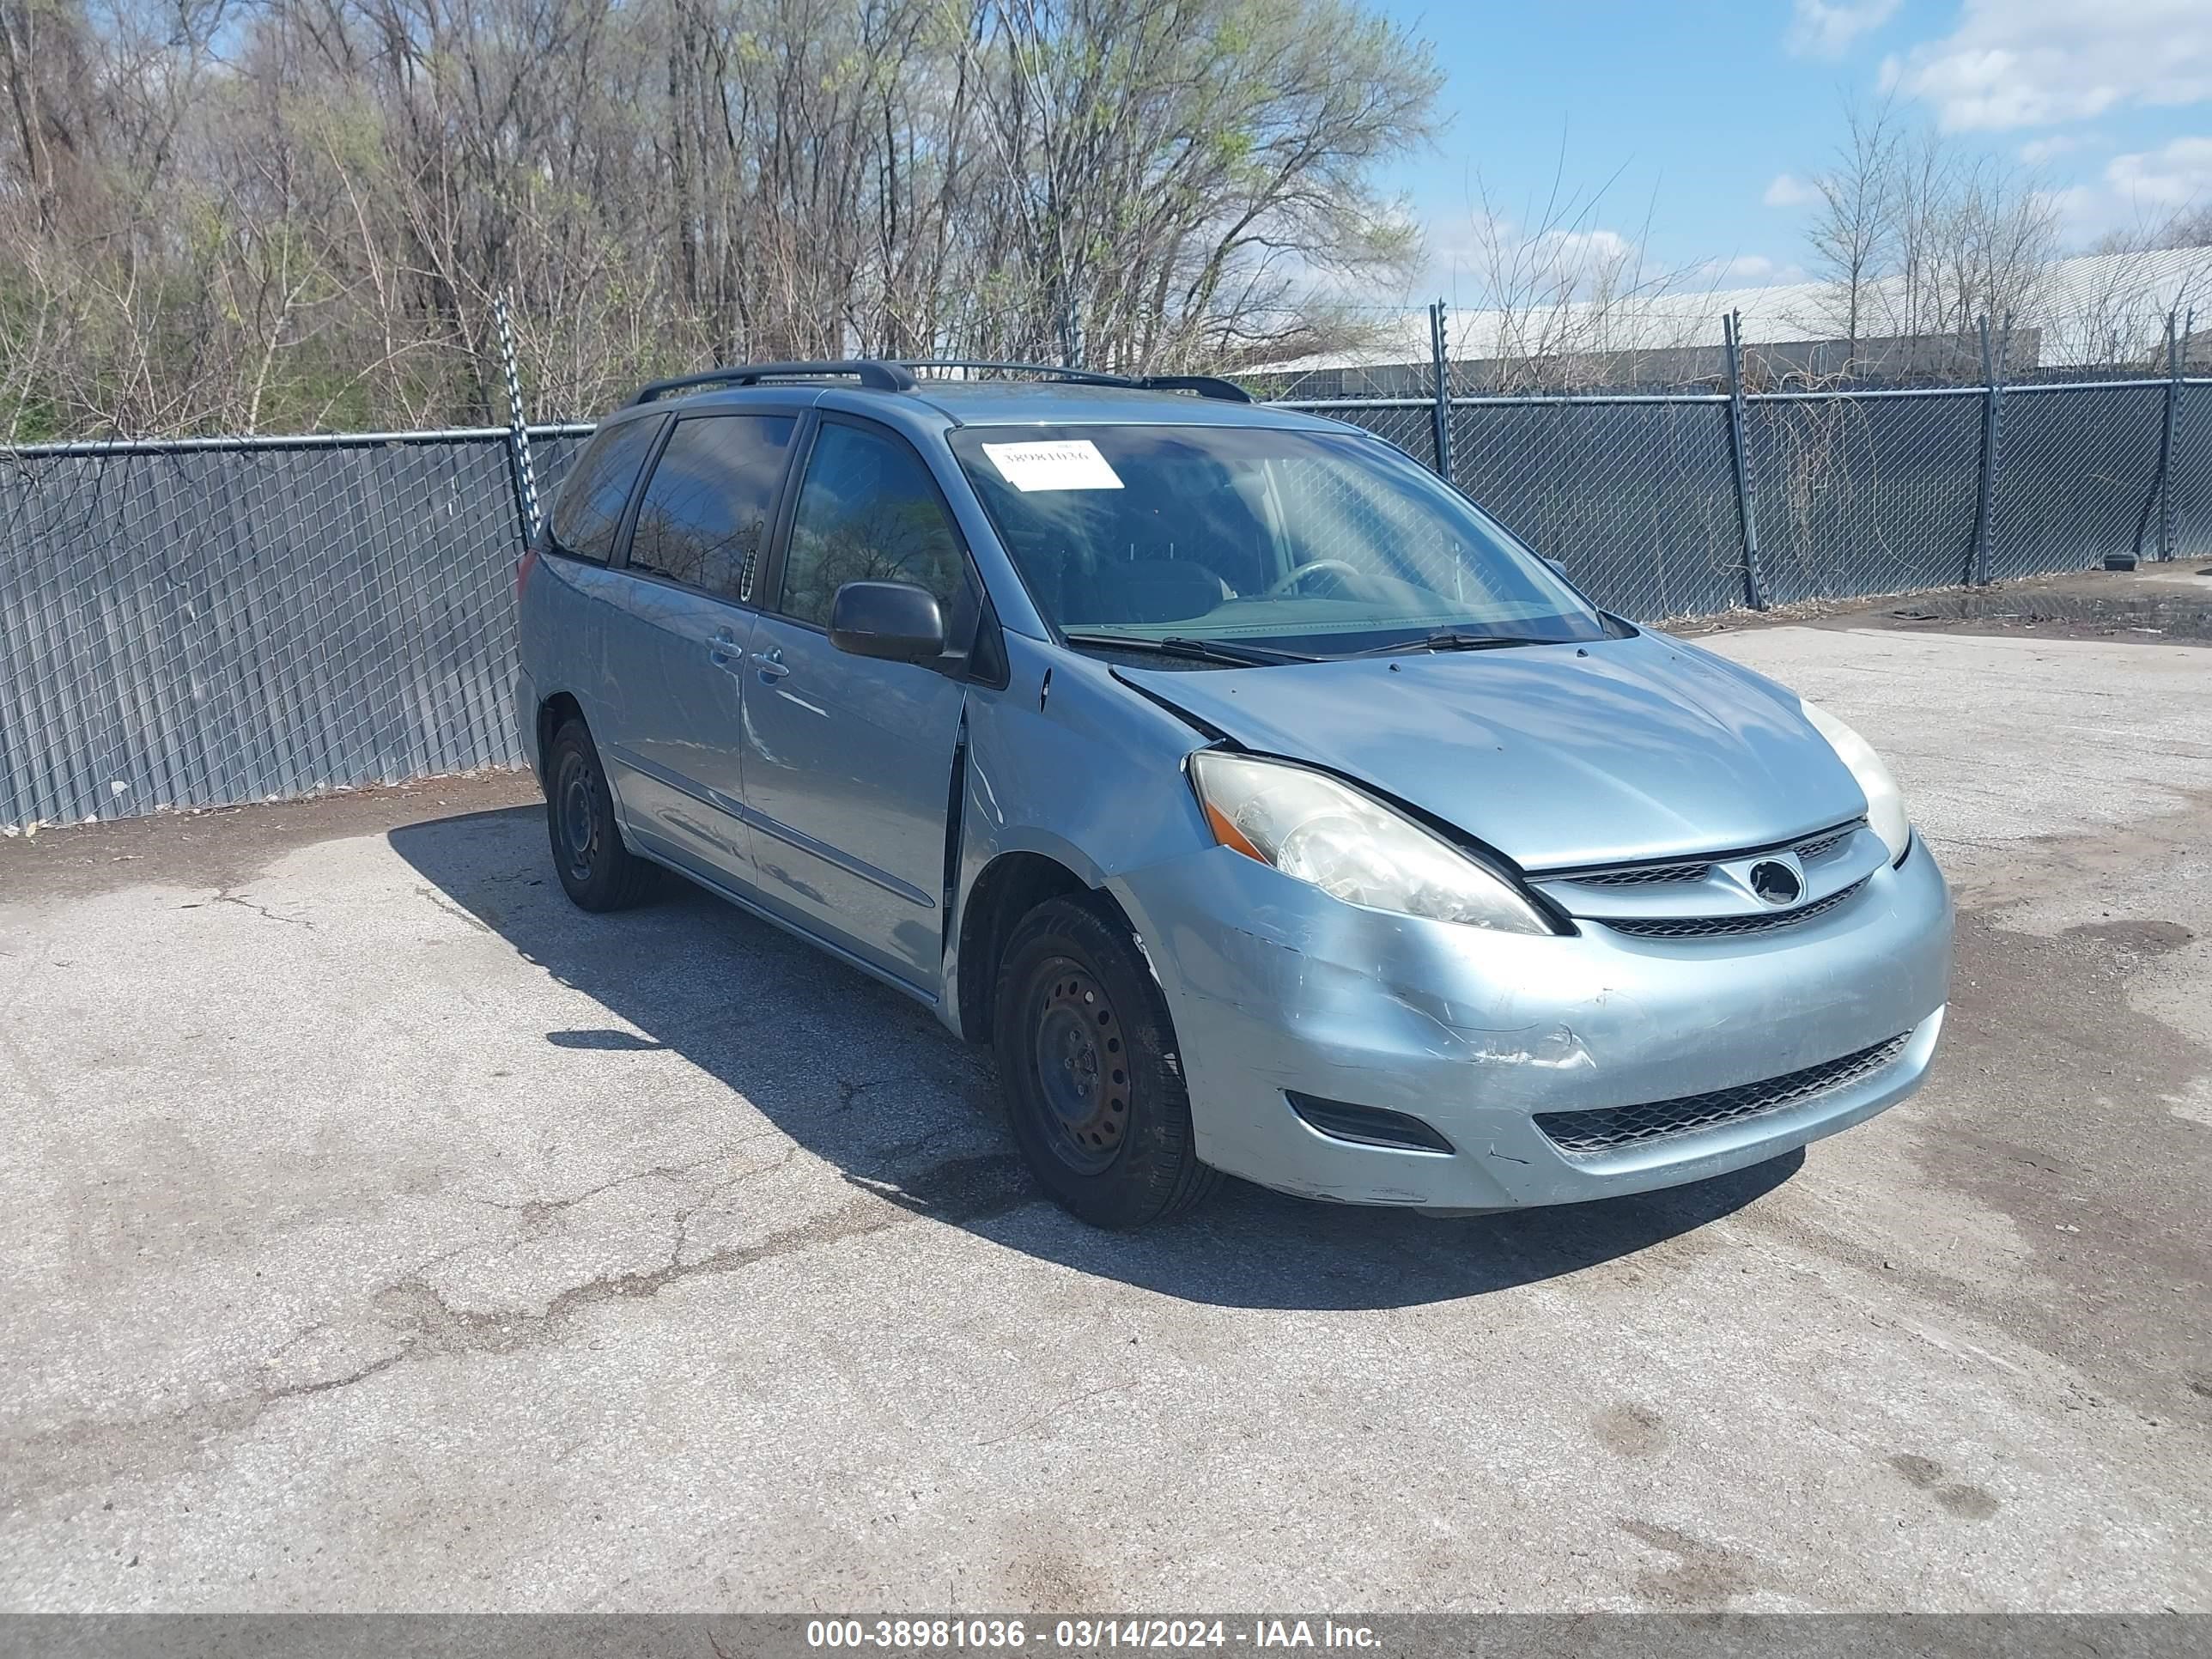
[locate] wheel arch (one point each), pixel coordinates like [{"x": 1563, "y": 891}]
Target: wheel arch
[
  {"x": 554, "y": 713},
  {"x": 1005, "y": 889}
]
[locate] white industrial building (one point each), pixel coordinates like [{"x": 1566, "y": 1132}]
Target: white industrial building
[{"x": 2092, "y": 314}]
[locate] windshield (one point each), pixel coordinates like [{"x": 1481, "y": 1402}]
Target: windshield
[{"x": 1303, "y": 543}]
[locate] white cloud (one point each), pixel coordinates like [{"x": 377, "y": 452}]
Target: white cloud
[
  {"x": 1749, "y": 270},
  {"x": 1483, "y": 260},
  {"x": 2137, "y": 191},
  {"x": 1582, "y": 252},
  {"x": 2041, "y": 63},
  {"x": 2035, "y": 151},
  {"x": 1786, "y": 189},
  {"x": 2177, "y": 176},
  {"x": 2079, "y": 208},
  {"x": 1826, "y": 28}
]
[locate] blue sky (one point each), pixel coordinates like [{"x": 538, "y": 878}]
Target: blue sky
[{"x": 1713, "y": 115}]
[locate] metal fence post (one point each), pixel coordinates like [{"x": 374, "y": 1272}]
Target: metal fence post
[
  {"x": 518, "y": 430},
  {"x": 1071, "y": 335},
  {"x": 2173, "y": 337},
  {"x": 1441, "y": 365},
  {"x": 1746, "y": 506},
  {"x": 1993, "y": 368}
]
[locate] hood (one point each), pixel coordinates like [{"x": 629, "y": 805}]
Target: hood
[{"x": 1556, "y": 755}]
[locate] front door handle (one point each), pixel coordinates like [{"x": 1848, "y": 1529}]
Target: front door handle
[
  {"x": 770, "y": 663},
  {"x": 722, "y": 649}
]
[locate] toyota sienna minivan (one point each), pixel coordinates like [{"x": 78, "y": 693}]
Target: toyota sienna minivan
[{"x": 1268, "y": 808}]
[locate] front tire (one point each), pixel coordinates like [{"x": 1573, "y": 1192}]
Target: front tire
[
  {"x": 1089, "y": 1070},
  {"x": 597, "y": 870}
]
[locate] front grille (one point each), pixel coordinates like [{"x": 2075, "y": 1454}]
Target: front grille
[
  {"x": 1650, "y": 873},
  {"x": 1637, "y": 875},
  {"x": 1762, "y": 922},
  {"x": 1582, "y": 1133},
  {"x": 1828, "y": 843}
]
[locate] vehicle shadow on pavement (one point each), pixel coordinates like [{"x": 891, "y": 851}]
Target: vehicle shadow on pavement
[{"x": 869, "y": 1082}]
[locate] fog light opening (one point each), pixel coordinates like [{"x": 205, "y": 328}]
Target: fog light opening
[{"x": 1367, "y": 1125}]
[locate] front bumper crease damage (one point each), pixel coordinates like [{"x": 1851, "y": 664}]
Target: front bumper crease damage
[{"x": 1276, "y": 987}]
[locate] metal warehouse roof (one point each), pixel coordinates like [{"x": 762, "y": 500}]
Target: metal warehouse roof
[{"x": 2097, "y": 308}]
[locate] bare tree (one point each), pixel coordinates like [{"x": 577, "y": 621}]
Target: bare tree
[
  {"x": 1563, "y": 301},
  {"x": 1916, "y": 238},
  {"x": 2190, "y": 227},
  {"x": 237, "y": 213},
  {"x": 1852, "y": 235}
]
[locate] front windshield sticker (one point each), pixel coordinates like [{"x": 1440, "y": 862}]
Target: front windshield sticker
[{"x": 1070, "y": 464}]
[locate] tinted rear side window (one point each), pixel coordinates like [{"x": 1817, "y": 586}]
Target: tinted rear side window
[
  {"x": 705, "y": 515},
  {"x": 591, "y": 503}
]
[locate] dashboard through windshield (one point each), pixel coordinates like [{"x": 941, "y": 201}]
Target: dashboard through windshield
[{"x": 1301, "y": 544}]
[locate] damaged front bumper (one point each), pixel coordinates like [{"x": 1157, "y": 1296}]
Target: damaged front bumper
[{"x": 1276, "y": 988}]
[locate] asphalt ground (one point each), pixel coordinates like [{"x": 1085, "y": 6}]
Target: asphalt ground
[{"x": 387, "y": 1234}]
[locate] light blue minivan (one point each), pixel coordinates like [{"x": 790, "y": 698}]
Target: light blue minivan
[{"x": 1267, "y": 807}]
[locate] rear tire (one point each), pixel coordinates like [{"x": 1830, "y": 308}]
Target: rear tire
[
  {"x": 1088, "y": 1069},
  {"x": 597, "y": 870}
]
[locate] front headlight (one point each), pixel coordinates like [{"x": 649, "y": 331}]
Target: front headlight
[
  {"x": 1307, "y": 824},
  {"x": 1885, "y": 805}
]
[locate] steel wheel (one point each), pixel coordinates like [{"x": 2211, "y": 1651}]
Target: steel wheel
[
  {"x": 596, "y": 870},
  {"x": 1082, "y": 1067},
  {"x": 1088, "y": 1067},
  {"x": 576, "y": 813}
]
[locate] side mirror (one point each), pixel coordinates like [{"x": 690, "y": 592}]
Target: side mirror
[
  {"x": 894, "y": 622},
  {"x": 1558, "y": 567}
]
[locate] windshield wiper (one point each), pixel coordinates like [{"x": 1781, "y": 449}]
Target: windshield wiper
[
  {"x": 1450, "y": 640},
  {"x": 1237, "y": 656}
]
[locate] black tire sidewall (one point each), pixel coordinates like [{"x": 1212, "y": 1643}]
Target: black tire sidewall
[{"x": 1155, "y": 1171}]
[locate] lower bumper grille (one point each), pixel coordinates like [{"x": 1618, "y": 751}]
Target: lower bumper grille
[{"x": 1615, "y": 1127}]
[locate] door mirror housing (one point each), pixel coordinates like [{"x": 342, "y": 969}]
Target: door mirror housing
[{"x": 892, "y": 622}]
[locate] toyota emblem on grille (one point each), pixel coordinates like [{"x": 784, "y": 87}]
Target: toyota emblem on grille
[{"x": 1775, "y": 882}]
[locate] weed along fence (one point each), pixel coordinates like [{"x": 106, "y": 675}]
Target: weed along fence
[{"x": 203, "y": 622}]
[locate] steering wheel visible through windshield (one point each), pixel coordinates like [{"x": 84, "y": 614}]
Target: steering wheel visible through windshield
[{"x": 1308, "y": 544}]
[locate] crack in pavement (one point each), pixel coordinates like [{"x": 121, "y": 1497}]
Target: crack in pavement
[
  {"x": 226, "y": 897},
  {"x": 536, "y": 1213},
  {"x": 848, "y": 1093},
  {"x": 435, "y": 1328},
  {"x": 439, "y": 901},
  {"x": 73, "y": 1455}
]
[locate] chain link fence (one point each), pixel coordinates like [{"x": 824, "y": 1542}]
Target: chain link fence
[
  {"x": 2190, "y": 468},
  {"x": 1847, "y": 494},
  {"x": 2078, "y": 477},
  {"x": 1634, "y": 495},
  {"x": 196, "y": 624},
  {"x": 1863, "y": 494},
  {"x": 201, "y": 622}
]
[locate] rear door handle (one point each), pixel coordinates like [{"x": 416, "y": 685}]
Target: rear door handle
[{"x": 770, "y": 663}]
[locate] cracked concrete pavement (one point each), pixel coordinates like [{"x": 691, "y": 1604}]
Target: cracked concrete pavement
[{"x": 387, "y": 1234}]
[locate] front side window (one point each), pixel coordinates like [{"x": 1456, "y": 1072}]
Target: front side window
[
  {"x": 704, "y": 517},
  {"x": 869, "y": 512},
  {"x": 1300, "y": 542},
  {"x": 590, "y": 510}
]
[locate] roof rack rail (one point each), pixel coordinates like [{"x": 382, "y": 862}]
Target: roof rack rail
[
  {"x": 1206, "y": 386},
  {"x": 1084, "y": 376},
  {"x": 875, "y": 375}
]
